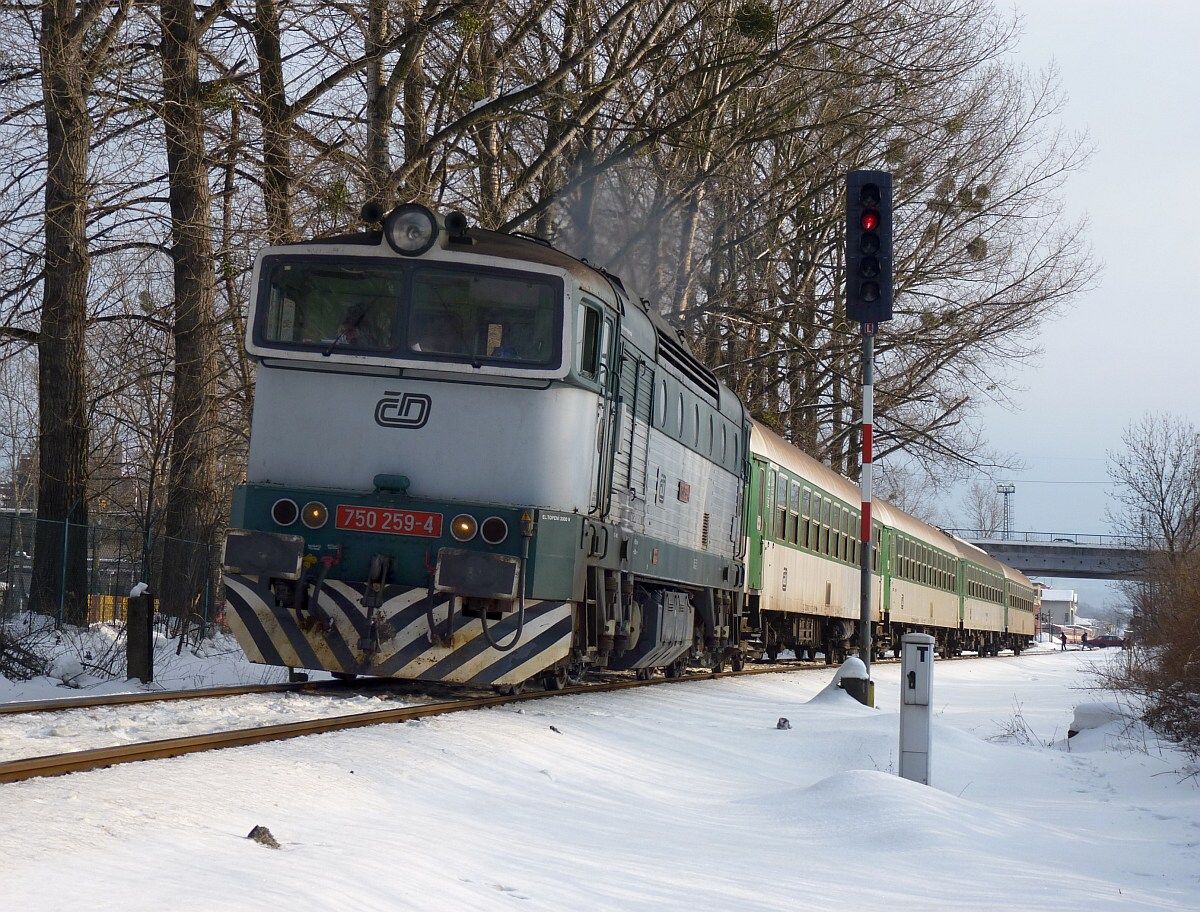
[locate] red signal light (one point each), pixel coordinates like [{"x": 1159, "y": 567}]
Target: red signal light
[{"x": 870, "y": 220}]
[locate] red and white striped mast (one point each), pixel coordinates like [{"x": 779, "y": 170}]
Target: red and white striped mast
[{"x": 867, "y": 532}]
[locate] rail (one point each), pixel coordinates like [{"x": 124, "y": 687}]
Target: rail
[{"x": 163, "y": 696}]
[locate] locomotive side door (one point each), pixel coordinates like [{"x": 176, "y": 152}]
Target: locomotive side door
[{"x": 608, "y": 378}]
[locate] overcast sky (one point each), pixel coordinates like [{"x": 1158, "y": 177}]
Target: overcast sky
[{"x": 1130, "y": 73}]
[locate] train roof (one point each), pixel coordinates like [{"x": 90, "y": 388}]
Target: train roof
[
  {"x": 975, "y": 554},
  {"x": 766, "y": 442}
]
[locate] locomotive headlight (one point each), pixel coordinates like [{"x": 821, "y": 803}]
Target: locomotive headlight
[
  {"x": 314, "y": 514},
  {"x": 463, "y": 527},
  {"x": 494, "y": 530},
  {"x": 411, "y": 229},
  {"x": 284, "y": 511}
]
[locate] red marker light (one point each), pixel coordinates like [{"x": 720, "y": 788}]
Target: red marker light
[{"x": 870, "y": 220}]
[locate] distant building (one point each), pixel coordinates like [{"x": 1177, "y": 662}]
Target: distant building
[{"x": 1060, "y": 607}]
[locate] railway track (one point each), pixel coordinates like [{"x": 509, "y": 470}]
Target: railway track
[
  {"x": 100, "y": 758},
  {"x": 164, "y": 696}
]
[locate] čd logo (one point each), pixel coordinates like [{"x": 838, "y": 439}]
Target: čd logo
[{"x": 402, "y": 410}]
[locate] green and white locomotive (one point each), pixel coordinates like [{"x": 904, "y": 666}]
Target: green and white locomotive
[{"x": 475, "y": 459}]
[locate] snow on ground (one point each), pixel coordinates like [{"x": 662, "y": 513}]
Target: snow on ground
[
  {"x": 680, "y": 797},
  {"x": 91, "y": 661},
  {"x": 38, "y": 734}
]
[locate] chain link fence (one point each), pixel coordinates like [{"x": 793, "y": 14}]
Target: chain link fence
[{"x": 91, "y": 570}]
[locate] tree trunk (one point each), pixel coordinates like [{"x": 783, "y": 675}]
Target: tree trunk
[
  {"x": 275, "y": 122},
  {"x": 60, "y": 548},
  {"x": 379, "y": 109},
  {"x": 192, "y": 500}
]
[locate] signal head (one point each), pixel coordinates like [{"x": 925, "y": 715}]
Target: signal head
[{"x": 869, "y": 246}]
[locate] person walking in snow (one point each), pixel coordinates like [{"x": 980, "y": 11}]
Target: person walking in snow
[
  {"x": 1063, "y": 636},
  {"x": 1085, "y": 639}
]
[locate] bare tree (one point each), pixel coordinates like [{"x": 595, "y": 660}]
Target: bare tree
[
  {"x": 983, "y": 508},
  {"x": 1157, "y": 494},
  {"x": 1157, "y": 477}
]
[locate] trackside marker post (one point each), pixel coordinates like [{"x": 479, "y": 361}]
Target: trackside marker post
[{"x": 916, "y": 705}]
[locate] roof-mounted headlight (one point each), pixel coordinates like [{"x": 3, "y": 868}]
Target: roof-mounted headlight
[{"x": 410, "y": 229}]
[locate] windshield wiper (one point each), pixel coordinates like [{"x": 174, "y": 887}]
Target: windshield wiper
[{"x": 351, "y": 323}]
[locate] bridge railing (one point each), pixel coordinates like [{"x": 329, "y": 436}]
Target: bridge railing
[{"x": 1051, "y": 538}]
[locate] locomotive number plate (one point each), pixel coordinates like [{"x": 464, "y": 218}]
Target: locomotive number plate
[{"x": 388, "y": 521}]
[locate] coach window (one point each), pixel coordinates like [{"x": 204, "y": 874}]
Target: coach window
[
  {"x": 805, "y": 522},
  {"x": 768, "y": 504},
  {"x": 781, "y": 496},
  {"x": 794, "y": 514},
  {"x": 680, "y": 422},
  {"x": 823, "y": 545},
  {"x": 660, "y": 405}
]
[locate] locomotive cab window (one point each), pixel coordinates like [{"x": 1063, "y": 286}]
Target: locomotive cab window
[
  {"x": 589, "y": 362},
  {"x": 477, "y": 315},
  {"x": 328, "y": 305}
]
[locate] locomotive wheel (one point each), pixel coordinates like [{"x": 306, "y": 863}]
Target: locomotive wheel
[
  {"x": 772, "y": 652},
  {"x": 676, "y": 668},
  {"x": 738, "y": 662},
  {"x": 644, "y": 674},
  {"x": 509, "y": 690},
  {"x": 718, "y": 664},
  {"x": 555, "y": 679},
  {"x": 575, "y": 671}
]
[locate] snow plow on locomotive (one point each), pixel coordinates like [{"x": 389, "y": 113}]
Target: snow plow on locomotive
[{"x": 475, "y": 459}]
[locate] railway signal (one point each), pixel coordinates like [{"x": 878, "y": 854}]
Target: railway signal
[
  {"x": 869, "y": 246},
  {"x": 869, "y": 302}
]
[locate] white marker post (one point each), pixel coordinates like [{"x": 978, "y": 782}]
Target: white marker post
[{"x": 916, "y": 705}]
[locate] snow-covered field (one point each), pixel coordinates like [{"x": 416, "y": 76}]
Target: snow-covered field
[{"x": 681, "y": 797}]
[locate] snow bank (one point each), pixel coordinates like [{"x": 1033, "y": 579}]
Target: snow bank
[
  {"x": 676, "y": 798},
  {"x": 91, "y": 660}
]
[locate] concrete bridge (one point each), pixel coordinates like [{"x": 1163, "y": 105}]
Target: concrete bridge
[{"x": 1070, "y": 554}]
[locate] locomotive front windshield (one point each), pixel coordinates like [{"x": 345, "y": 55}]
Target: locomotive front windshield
[{"x": 411, "y": 311}]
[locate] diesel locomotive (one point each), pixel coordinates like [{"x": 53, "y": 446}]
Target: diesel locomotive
[{"x": 476, "y": 459}]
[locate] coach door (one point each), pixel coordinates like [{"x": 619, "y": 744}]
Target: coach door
[{"x": 754, "y": 525}]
